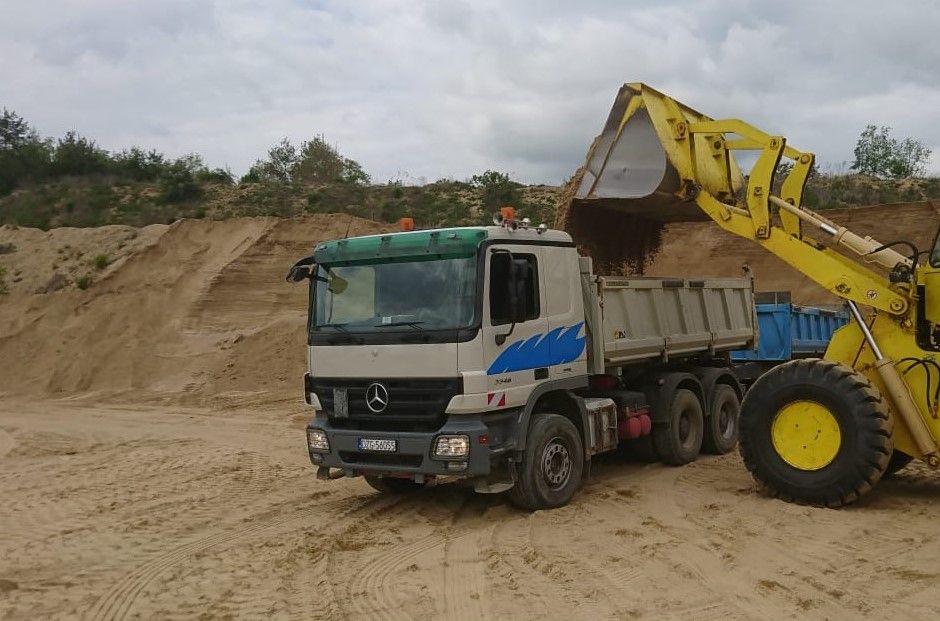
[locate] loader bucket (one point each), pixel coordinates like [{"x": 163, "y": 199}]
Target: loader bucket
[{"x": 618, "y": 202}]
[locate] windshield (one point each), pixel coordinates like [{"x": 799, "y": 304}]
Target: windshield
[{"x": 409, "y": 295}]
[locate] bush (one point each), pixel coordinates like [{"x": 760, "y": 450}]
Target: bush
[
  {"x": 76, "y": 155},
  {"x": 497, "y": 189},
  {"x": 83, "y": 282},
  {"x": 102, "y": 261},
  {"x": 4, "y": 289},
  {"x": 178, "y": 182}
]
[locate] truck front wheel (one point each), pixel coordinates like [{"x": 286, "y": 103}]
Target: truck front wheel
[
  {"x": 552, "y": 464},
  {"x": 679, "y": 440}
]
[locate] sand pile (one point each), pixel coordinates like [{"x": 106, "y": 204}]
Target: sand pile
[{"x": 192, "y": 311}]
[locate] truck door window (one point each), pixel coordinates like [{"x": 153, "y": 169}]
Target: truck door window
[{"x": 527, "y": 287}]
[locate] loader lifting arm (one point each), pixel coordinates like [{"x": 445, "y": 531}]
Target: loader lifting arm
[
  {"x": 817, "y": 431},
  {"x": 625, "y": 171}
]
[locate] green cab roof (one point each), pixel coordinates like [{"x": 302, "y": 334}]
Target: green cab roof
[{"x": 412, "y": 246}]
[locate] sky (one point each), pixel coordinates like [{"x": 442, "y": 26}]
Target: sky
[{"x": 419, "y": 90}]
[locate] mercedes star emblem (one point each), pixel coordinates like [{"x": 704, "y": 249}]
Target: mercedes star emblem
[{"x": 376, "y": 397}]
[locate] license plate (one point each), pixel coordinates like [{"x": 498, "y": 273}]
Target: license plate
[{"x": 383, "y": 446}]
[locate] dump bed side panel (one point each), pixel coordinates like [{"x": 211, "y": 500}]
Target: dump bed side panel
[
  {"x": 659, "y": 318},
  {"x": 788, "y": 331}
]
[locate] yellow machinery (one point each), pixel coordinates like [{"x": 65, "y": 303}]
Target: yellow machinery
[{"x": 813, "y": 431}]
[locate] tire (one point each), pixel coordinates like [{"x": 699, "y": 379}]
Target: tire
[
  {"x": 843, "y": 448},
  {"x": 721, "y": 426},
  {"x": 679, "y": 440},
  {"x": 898, "y": 462},
  {"x": 393, "y": 485},
  {"x": 552, "y": 464}
]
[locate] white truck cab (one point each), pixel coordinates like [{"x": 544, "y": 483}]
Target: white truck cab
[{"x": 469, "y": 352}]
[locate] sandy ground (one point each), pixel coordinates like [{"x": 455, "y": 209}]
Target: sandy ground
[
  {"x": 152, "y": 465},
  {"x": 114, "y": 512}
]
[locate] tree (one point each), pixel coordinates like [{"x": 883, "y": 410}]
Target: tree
[
  {"x": 178, "y": 181},
  {"x": 497, "y": 189},
  {"x": 321, "y": 162},
  {"x": 317, "y": 162},
  {"x": 24, "y": 156},
  {"x": 77, "y": 155},
  {"x": 138, "y": 165},
  {"x": 879, "y": 154}
]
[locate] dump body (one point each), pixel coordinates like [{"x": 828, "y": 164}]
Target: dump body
[
  {"x": 641, "y": 320},
  {"x": 787, "y": 331}
]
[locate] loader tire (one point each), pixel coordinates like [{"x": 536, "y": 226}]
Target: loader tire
[
  {"x": 393, "y": 485},
  {"x": 815, "y": 432},
  {"x": 679, "y": 440},
  {"x": 721, "y": 426},
  {"x": 552, "y": 464},
  {"x": 898, "y": 462}
]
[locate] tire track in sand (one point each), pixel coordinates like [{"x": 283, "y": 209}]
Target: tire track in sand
[{"x": 119, "y": 600}]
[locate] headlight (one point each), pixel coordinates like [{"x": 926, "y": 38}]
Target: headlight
[
  {"x": 317, "y": 441},
  {"x": 452, "y": 447}
]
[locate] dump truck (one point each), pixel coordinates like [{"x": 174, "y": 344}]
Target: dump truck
[
  {"x": 821, "y": 431},
  {"x": 496, "y": 354}
]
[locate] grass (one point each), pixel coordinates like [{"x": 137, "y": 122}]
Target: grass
[
  {"x": 4, "y": 288},
  {"x": 102, "y": 261},
  {"x": 83, "y": 282}
]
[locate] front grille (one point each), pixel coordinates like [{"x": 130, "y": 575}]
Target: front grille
[
  {"x": 413, "y": 404},
  {"x": 380, "y": 459}
]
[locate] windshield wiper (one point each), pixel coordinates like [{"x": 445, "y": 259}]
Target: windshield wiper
[
  {"x": 338, "y": 326},
  {"x": 413, "y": 324}
]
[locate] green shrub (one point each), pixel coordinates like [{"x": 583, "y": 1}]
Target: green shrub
[
  {"x": 83, "y": 282},
  {"x": 102, "y": 261},
  {"x": 4, "y": 289}
]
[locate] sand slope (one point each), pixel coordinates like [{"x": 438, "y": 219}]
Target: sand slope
[{"x": 200, "y": 311}]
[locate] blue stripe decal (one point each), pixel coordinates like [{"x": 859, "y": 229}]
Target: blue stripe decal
[{"x": 558, "y": 346}]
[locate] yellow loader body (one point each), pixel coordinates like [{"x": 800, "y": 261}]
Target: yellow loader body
[{"x": 662, "y": 160}]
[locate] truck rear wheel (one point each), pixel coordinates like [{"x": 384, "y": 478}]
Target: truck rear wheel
[
  {"x": 393, "y": 485},
  {"x": 552, "y": 464},
  {"x": 721, "y": 426},
  {"x": 679, "y": 441},
  {"x": 815, "y": 432}
]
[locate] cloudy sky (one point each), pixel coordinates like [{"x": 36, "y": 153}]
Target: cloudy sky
[{"x": 423, "y": 89}]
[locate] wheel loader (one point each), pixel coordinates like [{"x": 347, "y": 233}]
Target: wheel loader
[{"x": 816, "y": 431}]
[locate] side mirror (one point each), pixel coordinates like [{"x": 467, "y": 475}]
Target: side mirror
[{"x": 305, "y": 268}]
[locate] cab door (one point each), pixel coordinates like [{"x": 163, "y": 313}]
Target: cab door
[{"x": 516, "y": 354}]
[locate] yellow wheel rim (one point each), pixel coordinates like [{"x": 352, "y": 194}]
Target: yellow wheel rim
[{"x": 806, "y": 435}]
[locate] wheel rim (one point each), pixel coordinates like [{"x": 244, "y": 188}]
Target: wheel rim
[
  {"x": 556, "y": 463},
  {"x": 806, "y": 435}
]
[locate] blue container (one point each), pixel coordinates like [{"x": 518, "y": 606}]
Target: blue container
[{"x": 786, "y": 331}]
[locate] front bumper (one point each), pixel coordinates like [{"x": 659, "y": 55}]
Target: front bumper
[{"x": 490, "y": 440}]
